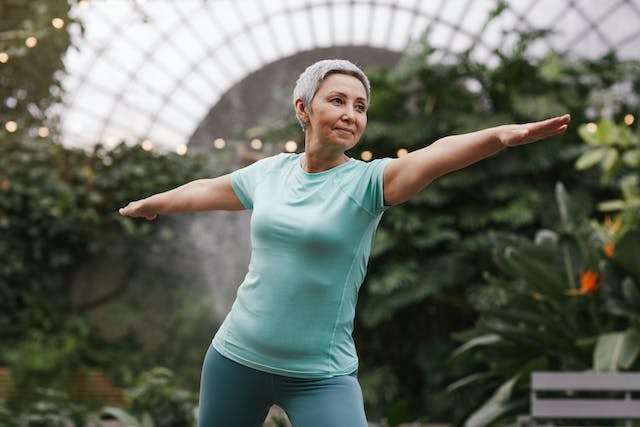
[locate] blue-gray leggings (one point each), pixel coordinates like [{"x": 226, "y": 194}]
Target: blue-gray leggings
[{"x": 234, "y": 395}]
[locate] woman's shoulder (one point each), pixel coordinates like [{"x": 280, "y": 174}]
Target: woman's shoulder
[
  {"x": 360, "y": 167},
  {"x": 275, "y": 161}
]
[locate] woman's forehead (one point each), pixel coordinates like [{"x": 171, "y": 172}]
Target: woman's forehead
[{"x": 345, "y": 84}]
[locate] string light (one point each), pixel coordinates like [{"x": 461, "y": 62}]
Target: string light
[
  {"x": 366, "y": 155},
  {"x": 219, "y": 143},
  {"x": 402, "y": 152},
  {"x": 592, "y": 127},
  {"x": 31, "y": 42},
  {"x": 4, "y": 57},
  {"x": 181, "y": 149},
  {"x": 57, "y": 23},
  {"x": 147, "y": 145},
  {"x": 83, "y": 4},
  {"x": 291, "y": 146},
  {"x": 11, "y": 126},
  {"x": 256, "y": 144},
  {"x": 111, "y": 141},
  {"x": 43, "y": 131},
  {"x": 629, "y": 119}
]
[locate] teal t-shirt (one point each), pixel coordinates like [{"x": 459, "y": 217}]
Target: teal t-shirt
[{"x": 311, "y": 236}]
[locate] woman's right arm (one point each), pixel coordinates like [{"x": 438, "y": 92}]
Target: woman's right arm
[{"x": 199, "y": 195}]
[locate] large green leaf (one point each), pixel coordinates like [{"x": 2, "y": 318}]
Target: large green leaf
[
  {"x": 628, "y": 252},
  {"x": 564, "y": 205},
  {"x": 496, "y": 406},
  {"x": 632, "y": 158},
  {"x": 475, "y": 342},
  {"x": 631, "y": 292},
  {"x": 616, "y": 350},
  {"x": 469, "y": 379},
  {"x": 123, "y": 417},
  {"x": 612, "y": 205},
  {"x": 589, "y": 137},
  {"x": 590, "y": 158},
  {"x": 610, "y": 160}
]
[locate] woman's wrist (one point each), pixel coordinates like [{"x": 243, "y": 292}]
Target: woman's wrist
[
  {"x": 502, "y": 136},
  {"x": 154, "y": 204}
]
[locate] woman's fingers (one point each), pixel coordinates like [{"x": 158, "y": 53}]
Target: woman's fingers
[
  {"x": 549, "y": 127},
  {"x": 137, "y": 210},
  {"x": 513, "y": 135},
  {"x": 130, "y": 210},
  {"x": 550, "y": 124}
]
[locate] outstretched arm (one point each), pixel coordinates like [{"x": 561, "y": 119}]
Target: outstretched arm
[
  {"x": 407, "y": 175},
  {"x": 199, "y": 195}
]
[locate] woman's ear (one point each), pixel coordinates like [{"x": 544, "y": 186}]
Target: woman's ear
[{"x": 301, "y": 111}]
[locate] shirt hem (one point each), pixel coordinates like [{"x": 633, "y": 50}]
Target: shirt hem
[{"x": 278, "y": 371}]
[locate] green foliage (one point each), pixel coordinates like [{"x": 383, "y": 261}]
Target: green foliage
[
  {"x": 46, "y": 408},
  {"x": 542, "y": 318},
  {"x": 548, "y": 317},
  {"x": 45, "y": 358},
  {"x": 59, "y": 210},
  {"x": 30, "y": 81},
  {"x": 432, "y": 250},
  {"x": 617, "y": 350},
  {"x": 157, "y": 394},
  {"x": 155, "y": 400},
  {"x": 552, "y": 312},
  {"x": 616, "y": 149}
]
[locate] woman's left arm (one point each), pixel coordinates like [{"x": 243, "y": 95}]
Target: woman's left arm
[{"x": 407, "y": 175}]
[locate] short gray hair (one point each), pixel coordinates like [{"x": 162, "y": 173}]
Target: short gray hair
[{"x": 311, "y": 78}]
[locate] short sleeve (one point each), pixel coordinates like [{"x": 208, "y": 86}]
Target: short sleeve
[
  {"x": 245, "y": 180},
  {"x": 370, "y": 189}
]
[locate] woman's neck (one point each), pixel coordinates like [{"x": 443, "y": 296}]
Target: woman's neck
[{"x": 317, "y": 162}]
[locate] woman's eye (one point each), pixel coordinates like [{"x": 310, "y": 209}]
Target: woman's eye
[{"x": 336, "y": 100}]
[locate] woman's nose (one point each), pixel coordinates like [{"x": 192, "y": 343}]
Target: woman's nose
[{"x": 349, "y": 114}]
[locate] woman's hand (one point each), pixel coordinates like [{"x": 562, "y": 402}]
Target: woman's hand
[
  {"x": 138, "y": 209},
  {"x": 514, "y": 135}
]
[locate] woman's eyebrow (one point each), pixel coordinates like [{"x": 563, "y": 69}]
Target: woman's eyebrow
[{"x": 345, "y": 95}]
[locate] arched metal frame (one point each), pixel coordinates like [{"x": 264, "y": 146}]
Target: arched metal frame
[{"x": 516, "y": 15}]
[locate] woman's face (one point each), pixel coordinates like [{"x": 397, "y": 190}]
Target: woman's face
[{"x": 339, "y": 111}]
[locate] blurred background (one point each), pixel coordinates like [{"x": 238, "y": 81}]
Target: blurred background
[{"x": 527, "y": 261}]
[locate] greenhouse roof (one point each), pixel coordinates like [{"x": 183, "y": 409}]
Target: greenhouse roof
[{"x": 154, "y": 69}]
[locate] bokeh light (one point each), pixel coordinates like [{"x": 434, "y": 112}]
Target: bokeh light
[{"x": 291, "y": 146}]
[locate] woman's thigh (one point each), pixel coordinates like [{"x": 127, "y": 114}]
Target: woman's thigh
[
  {"x": 331, "y": 402},
  {"x": 232, "y": 394}
]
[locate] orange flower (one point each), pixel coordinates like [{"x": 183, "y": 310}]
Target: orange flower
[
  {"x": 609, "y": 248},
  {"x": 589, "y": 281}
]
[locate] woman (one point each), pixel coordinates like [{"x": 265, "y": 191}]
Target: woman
[{"x": 287, "y": 339}]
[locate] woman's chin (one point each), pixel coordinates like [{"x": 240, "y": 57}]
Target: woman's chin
[{"x": 343, "y": 140}]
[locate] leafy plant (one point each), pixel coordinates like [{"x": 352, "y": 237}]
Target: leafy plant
[
  {"x": 569, "y": 300},
  {"x": 616, "y": 149},
  {"x": 157, "y": 396},
  {"x": 46, "y": 408},
  {"x": 554, "y": 307}
]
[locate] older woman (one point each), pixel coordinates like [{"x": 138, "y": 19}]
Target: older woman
[{"x": 287, "y": 339}]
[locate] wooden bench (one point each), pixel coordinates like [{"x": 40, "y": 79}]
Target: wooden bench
[{"x": 570, "y": 406}]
